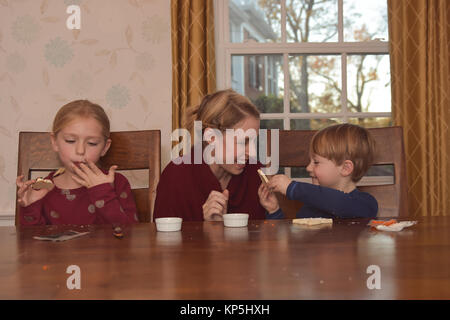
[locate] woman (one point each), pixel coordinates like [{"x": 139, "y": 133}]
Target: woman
[{"x": 198, "y": 192}]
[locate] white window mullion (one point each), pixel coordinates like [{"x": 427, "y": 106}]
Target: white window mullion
[
  {"x": 340, "y": 21},
  {"x": 286, "y": 104},
  {"x": 344, "y": 87},
  {"x": 283, "y": 22},
  {"x": 325, "y": 115}
]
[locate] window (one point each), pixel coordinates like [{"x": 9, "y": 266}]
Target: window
[{"x": 307, "y": 64}]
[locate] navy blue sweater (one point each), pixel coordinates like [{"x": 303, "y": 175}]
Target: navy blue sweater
[{"x": 323, "y": 202}]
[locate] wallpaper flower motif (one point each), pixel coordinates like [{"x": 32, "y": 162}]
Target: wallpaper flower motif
[
  {"x": 69, "y": 2},
  {"x": 58, "y": 52},
  {"x": 15, "y": 63},
  {"x": 25, "y": 29},
  {"x": 145, "y": 61},
  {"x": 118, "y": 97},
  {"x": 80, "y": 83},
  {"x": 154, "y": 29}
]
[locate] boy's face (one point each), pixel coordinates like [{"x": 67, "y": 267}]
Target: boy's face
[
  {"x": 325, "y": 172},
  {"x": 81, "y": 140}
]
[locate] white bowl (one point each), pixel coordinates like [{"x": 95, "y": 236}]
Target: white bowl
[
  {"x": 168, "y": 224},
  {"x": 235, "y": 219},
  {"x": 169, "y": 238},
  {"x": 236, "y": 234}
]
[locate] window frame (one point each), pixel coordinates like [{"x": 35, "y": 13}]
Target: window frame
[{"x": 226, "y": 49}]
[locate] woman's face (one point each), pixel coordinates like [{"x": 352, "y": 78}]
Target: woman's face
[{"x": 236, "y": 155}]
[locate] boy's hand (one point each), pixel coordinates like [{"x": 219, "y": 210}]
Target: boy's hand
[
  {"x": 279, "y": 183},
  {"x": 90, "y": 175},
  {"x": 267, "y": 198},
  {"x": 26, "y": 195}
]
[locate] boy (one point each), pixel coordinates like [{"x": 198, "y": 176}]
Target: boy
[{"x": 340, "y": 156}]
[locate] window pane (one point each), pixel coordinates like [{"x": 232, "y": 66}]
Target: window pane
[
  {"x": 260, "y": 78},
  {"x": 312, "y": 124},
  {"x": 365, "y": 20},
  {"x": 380, "y": 170},
  {"x": 299, "y": 172},
  {"x": 368, "y": 83},
  {"x": 271, "y": 124},
  {"x": 371, "y": 122},
  {"x": 311, "y": 21},
  {"x": 252, "y": 20},
  {"x": 315, "y": 83}
]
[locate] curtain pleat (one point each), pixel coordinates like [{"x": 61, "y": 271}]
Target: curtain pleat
[
  {"x": 419, "y": 32},
  {"x": 193, "y": 55}
]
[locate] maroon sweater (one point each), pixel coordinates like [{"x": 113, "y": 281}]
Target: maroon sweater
[
  {"x": 184, "y": 188},
  {"x": 102, "y": 204}
]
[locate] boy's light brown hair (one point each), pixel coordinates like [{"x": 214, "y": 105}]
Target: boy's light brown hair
[{"x": 345, "y": 142}]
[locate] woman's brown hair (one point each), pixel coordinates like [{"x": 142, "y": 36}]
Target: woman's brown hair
[{"x": 221, "y": 110}]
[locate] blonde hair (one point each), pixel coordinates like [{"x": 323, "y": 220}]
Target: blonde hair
[
  {"x": 221, "y": 110},
  {"x": 81, "y": 109},
  {"x": 345, "y": 142}
]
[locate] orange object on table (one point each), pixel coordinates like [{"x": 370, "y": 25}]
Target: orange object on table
[{"x": 374, "y": 223}]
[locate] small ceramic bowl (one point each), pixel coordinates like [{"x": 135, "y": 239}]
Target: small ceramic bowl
[
  {"x": 235, "y": 219},
  {"x": 168, "y": 224},
  {"x": 236, "y": 234},
  {"x": 169, "y": 238}
]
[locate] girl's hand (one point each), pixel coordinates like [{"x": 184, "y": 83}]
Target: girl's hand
[
  {"x": 215, "y": 206},
  {"x": 279, "y": 183},
  {"x": 26, "y": 195},
  {"x": 267, "y": 199},
  {"x": 90, "y": 175}
]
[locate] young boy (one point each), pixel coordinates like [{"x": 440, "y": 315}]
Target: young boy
[{"x": 340, "y": 156}]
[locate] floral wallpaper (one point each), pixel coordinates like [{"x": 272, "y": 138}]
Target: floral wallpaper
[{"x": 119, "y": 58}]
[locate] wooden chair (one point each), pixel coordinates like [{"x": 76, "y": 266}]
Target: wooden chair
[
  {"x": 130, "y": 150},
  {"x": 392, "y": 198}
]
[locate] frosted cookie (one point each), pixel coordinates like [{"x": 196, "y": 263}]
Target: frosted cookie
[
  {"x": 42, "y": 184},
  {"x": 263, "y": 177},
  {"x": 312, "y": 221}
]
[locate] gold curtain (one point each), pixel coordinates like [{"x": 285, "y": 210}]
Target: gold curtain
[
  {"x": 193, "y": 55},
  {"x": 419, "y": 32}
]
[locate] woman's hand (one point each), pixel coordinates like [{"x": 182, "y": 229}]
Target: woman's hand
[
  {"x": 215, "y": 206},
  {"x": 267, "y": 199},
  {"x": 279, "y": 183},
  {"x": 90, "y": 175},
  {"x": 26, "y": 195}
]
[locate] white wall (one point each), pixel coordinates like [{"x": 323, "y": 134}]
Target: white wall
[{"x": 121, "y": 59}]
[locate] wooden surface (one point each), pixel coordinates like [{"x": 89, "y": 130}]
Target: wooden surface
[
  {"x": 392, "y": 198},
  {"x": 130, "y": 150},
  {"x": 266, "y": 260}
]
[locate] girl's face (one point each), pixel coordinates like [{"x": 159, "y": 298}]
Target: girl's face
[
  {"x": 240, "y": 150},
  {"x": 81, "y": 140},
  {"x": 324, "y": 172}
]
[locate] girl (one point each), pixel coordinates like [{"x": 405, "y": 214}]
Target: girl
[
  {"x": 81, "y": 192},
  {"x": 340, "y": 156}
]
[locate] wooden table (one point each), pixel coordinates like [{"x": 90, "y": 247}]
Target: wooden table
[{"x": 267, "y": 260}]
